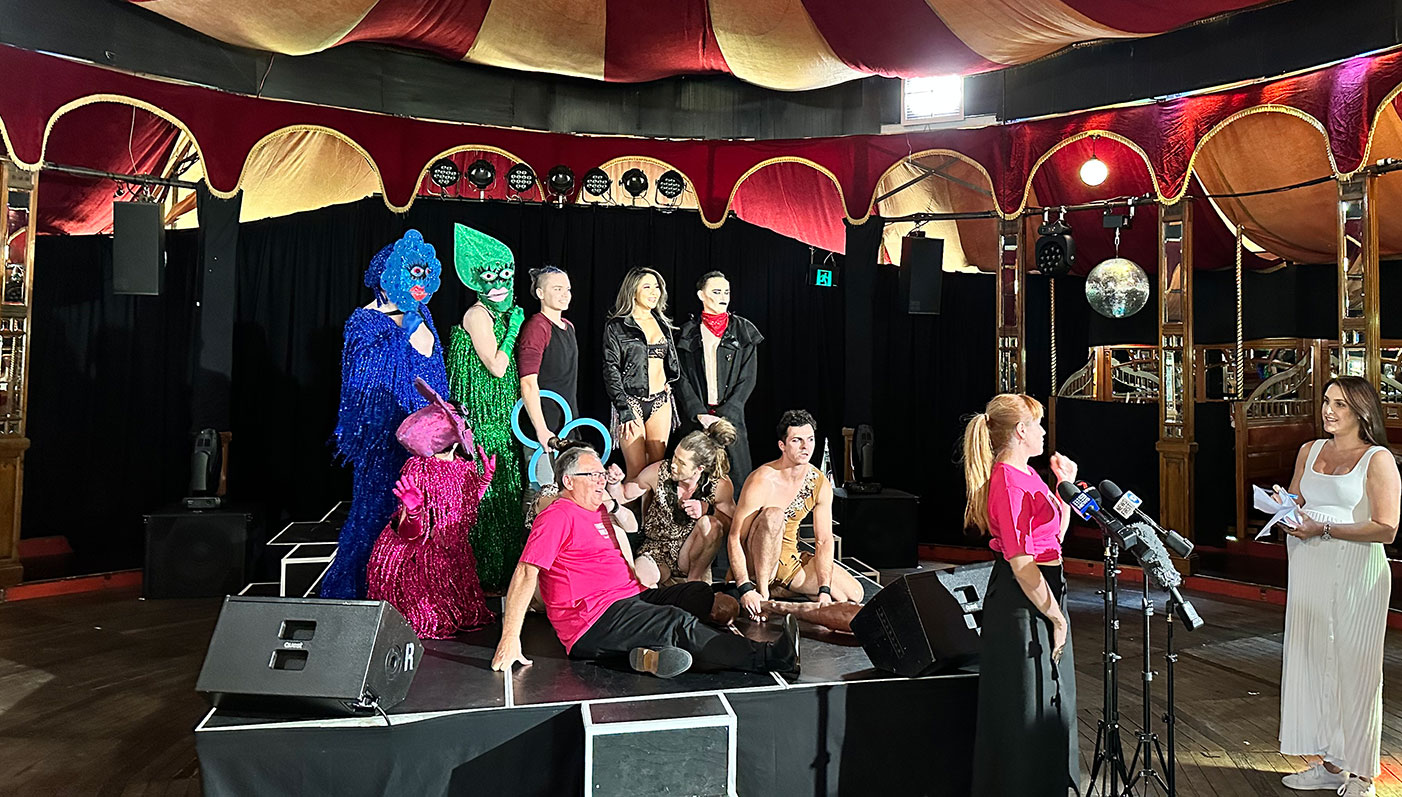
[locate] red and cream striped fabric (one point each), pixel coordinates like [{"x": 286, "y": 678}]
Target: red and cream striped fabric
[{"x": 780, "y": 44}]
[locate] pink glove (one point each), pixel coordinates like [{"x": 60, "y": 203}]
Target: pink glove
[{"x": 409, "y": 495}]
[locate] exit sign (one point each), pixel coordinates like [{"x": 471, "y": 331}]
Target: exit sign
[{"x": 823, "y": 278}]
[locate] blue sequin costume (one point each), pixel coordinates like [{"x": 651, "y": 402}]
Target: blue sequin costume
[{"x": 378, "y": 366}]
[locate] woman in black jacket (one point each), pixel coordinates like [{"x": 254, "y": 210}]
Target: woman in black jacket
[{"x": 640, "y": 365}]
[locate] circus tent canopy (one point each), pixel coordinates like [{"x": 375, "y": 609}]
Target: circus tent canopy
[{"x": 780, "y": 44}]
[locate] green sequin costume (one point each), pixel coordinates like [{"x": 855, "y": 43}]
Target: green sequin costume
[
  {"x": 499, "y": 534},
  {"x": 486, "y": 266}
]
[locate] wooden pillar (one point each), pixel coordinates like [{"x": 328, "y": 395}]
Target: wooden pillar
[
  {"x": 1176, "y": 367},
  {"x": 1359, "y": 344},
  {"x": 19, "y": 188},
  {"x": 1010, "y": 313}
]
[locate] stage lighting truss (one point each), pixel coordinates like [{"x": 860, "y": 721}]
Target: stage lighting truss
[
  {"x": 481, "y": 173},
  {"x": 597, "y": 182},
  {"x": 1055, "y": 252},
  {"x": 520, "y": 178}
]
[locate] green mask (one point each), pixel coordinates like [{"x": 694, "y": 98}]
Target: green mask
[{"x": 486, "y": 266}]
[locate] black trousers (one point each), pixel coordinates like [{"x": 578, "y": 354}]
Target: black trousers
[{"x": 671, "y": 617}]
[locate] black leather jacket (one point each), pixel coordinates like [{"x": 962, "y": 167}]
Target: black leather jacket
[{"x": 625, "y": 362}]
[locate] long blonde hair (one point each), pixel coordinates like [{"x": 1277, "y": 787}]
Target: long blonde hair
[
  {"x": 708, "y": 447},
  {"x": 985, "y": 437}
]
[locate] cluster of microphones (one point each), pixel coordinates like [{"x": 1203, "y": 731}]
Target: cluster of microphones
[{"x": 1137, "y": 533}]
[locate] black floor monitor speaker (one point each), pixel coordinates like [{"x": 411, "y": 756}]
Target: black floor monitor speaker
[
  {"x": 925, "y": 622},
  {"x": 309, "y": 656},
  {"x": 138, "y": 248},
  {"x": 196, "y": 554},
  {"x": 922, "y": 273}
]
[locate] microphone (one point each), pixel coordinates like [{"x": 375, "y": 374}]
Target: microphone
[
  {"x": 1126, "y": 505},
  {"x": 1159, "y": 567},
  {"x": 1083, "y": 502}
]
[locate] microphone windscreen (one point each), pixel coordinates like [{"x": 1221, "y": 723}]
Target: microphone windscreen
[
  {"x": 1111, "y": 491},
  {"x": 1068, "y": 492},
  {"x": 1157, "y": 565}
]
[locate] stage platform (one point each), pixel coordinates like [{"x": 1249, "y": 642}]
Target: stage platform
[{"x": 840, "y": 727}]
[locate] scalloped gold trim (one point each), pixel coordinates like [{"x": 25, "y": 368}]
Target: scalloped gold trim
[
  {"x": 841, "y": 196},
  {"x": 993, "y": 193},
  {"x": 1065, "y": 142}
]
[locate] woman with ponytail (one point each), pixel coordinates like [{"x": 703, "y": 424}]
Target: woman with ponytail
[
  {"x": 1027, "y": 680},
  {"x": 687, "y": 510}
]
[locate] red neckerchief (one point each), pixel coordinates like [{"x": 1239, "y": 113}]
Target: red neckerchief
[{"x": 716, "y": 323}]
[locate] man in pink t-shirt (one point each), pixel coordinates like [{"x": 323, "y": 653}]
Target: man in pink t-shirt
[{"x": 599, "y": 608}]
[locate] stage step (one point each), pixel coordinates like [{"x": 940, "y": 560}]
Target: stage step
[
  {"x": 682, "y": 745},
  {"x": 310, "y": 546}
]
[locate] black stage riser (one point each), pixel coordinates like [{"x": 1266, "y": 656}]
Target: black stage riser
[{"x": 895, "y": 737}]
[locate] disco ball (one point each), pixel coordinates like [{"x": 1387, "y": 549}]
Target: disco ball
[{"x": 1117, "y": 288}]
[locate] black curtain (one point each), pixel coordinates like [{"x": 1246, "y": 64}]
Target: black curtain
[{"x": 109, "y": 399}]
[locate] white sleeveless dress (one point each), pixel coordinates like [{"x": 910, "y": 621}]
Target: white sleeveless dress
[{"x": 1331, "y": 684}]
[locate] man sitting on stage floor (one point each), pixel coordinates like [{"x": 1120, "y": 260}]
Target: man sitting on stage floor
[
  {"x": 763, "y": 540},
  {"x": 599, "y": 609}
]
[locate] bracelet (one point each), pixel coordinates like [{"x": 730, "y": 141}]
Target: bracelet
[
  {"x": 747, "y": 587},
  {"x": 825, "y": 590},
  {"x": 1328, "y": 525}
]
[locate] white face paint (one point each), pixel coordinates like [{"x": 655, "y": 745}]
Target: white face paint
[{"x": 715, "y": 295}]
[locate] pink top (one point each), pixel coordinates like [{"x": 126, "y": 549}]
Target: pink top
[
  {"x": 1023, "y": 515},
  {"x": 582, "y": 570}
]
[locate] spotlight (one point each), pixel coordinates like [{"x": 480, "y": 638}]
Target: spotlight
[
  {"x": 520, "y": 178},
  {"x": 1056, "y": 249},
  {"x": 597, "y": 182},
  {"x": 634, "y": 182},
  {"x": 561, "y": 180},
  {"x": 671, "y": 184},
  {"x": 481, "y": 173},
  {"x": 1094, "y": 171},
  {"x": 444, "y": 173}
]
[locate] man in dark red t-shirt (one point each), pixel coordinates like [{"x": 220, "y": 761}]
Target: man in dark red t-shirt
[
  {"x": 547, "y": 357},
  {"x": 599, "y": 609}
]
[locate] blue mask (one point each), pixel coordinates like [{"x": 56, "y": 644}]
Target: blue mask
[{"x": 411, "y": 276}]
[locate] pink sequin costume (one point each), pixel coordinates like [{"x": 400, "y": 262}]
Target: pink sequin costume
[{"x": 423, "y": 565}]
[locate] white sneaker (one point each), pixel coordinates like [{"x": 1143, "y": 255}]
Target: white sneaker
[
  {"x": 1317, "y": 778},
  {"x": 1357, "y": 787}
]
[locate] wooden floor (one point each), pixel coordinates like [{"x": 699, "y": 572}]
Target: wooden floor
[{"x": 97, "y": 694}]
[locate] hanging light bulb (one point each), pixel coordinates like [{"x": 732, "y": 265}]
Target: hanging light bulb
[{"x": 1094, "y": 171}]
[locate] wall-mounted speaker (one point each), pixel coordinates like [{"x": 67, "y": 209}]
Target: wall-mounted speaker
[
  {"x": 922, "y": 273},
  {"x": 138, "y": 248}
]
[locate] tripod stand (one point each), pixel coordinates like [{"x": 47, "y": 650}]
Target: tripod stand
[
  {"x": 1147, "y": 742},
  {"x": 1109, "y": 751}
]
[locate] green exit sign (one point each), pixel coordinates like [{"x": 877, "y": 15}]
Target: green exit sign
[{"x": 823, "y": 278}]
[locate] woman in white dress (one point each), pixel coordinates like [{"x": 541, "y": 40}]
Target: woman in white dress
[{"x": 1331, "y": 685}]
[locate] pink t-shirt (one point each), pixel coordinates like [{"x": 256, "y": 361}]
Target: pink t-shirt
[
  {"x": 1023, "y": 515},
  {"x": 582, "y": 570}
]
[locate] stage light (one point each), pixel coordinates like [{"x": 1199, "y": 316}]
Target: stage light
[
  {"x": 1055, "y": 252},
  {"x": 634, "y": 182},
  {"x": 444, "y": 173},
  {"x": 481, "y": 173},
  {"x": 597, "y": 182},
  {"x": 1094, "y": 171},
  {"x": 671, "y": 184},
  {"x": 520, "y": 178},
  {"x": 561, "y": 180}
]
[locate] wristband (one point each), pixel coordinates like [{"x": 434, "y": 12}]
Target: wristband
[
  {"x": 825, "y": 590},
  {"x": 747, "y": 587}
]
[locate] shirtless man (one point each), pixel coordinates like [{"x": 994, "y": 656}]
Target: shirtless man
[{"x": 763, "y": 539}]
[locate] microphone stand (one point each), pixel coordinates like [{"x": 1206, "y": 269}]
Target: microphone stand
[
  {"x": 1147, "y": 742},
  {"x": 1109, "y": 751},
  {"x": 1170, "y": 718}
]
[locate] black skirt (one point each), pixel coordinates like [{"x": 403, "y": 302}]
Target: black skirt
[{"x": 1026, "y": 741}]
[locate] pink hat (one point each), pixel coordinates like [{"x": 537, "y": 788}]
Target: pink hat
[{"x": 434, "y": 428}]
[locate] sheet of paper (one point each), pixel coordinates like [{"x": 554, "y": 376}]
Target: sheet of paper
[{"x": 1264, "y": 501}]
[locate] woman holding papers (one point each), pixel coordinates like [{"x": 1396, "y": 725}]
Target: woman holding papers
[{"x": 1336, "y": 605}]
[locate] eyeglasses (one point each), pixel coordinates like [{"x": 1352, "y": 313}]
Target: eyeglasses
[{"x": 595, "y": 475}]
